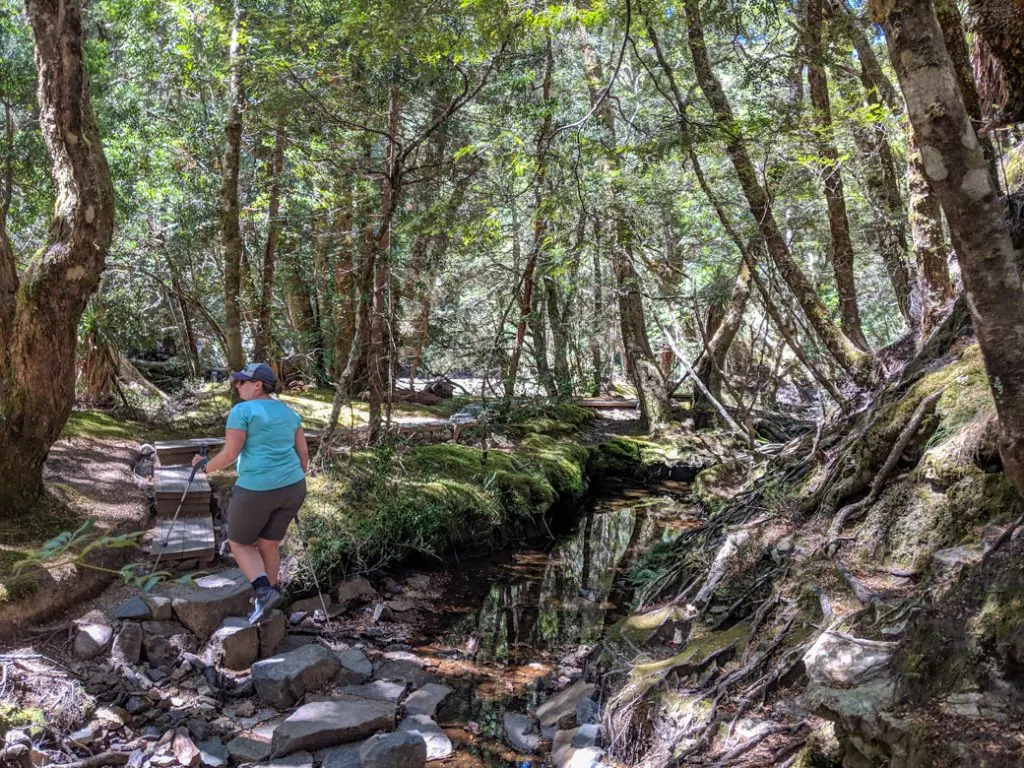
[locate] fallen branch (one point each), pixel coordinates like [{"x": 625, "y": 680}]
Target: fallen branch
[{"x": 102, "y": 760}]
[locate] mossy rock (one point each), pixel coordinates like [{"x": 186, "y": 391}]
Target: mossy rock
[
  {"x": 636, "y": 630},
  {"x": 13, "y": 716},
  {"x": 715, "y": 486}
]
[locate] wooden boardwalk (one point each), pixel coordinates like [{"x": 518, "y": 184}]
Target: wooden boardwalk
[{"x": 191, "y": 539}]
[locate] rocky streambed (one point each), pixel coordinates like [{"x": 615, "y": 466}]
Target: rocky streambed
[{"x": 481, "y": 664}]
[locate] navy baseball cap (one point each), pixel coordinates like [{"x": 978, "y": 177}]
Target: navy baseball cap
[{"x": 256, "y": 372}]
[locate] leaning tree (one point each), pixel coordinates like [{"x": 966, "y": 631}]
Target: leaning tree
[{"x": 40, "y": 307}]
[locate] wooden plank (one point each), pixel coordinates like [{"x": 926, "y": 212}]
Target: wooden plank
[
  {"x": 607, "y": 403},
  {"x": 180, "y": 452},
  {"x": 191, "y": 538},
  {"x": 170, "y": 481}
]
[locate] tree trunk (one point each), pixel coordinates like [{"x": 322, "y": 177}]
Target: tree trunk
[
  {"x": 853, "y": 360},
  {"x": 539, "y": 334},
  {"x": 557, "y": 320},
  {"x": 1000, "y": 24},
  {"x": 261, "y": 343},
  {"x": 955, "y": 165},
  {"x": 230, "y": 230},
  {"x": 639, "y": 360},
  {"x": 39, "y": 312},
  {"x": 713, "y": 365},
  {"x": 931, "y": 253},
  {"x": 597, "y": 321},
  {"x": 345, "y": 283},
  {"x": 835, "y": 198}
]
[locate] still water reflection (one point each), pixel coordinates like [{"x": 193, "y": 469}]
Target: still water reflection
[{"x": 531, "y": 614}]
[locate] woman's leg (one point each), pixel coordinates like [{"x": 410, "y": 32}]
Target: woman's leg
[
  {"x": 250, "y": 560},
  {"x": 270, "y": 554}
]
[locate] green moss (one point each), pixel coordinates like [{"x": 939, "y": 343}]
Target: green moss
[
  {"x": 13, "y": 716},
  {"x": 99, "y": 424}
]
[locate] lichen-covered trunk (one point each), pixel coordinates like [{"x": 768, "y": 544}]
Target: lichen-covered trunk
[
  {"x": 539, "y": 335},
  {"x": 230, "y": 229},
  {"x": 638, "y": 358},
  {"x": 853, "y": 360},
  {"x": 931, "y": 253},
  {"x": 955, "y": 165},
  {"x": 261, "y": 342},
  {"x": 841, "y": 254},
  {"x": 1000, "y": 26},
  {"x": 40, "y": 310}
]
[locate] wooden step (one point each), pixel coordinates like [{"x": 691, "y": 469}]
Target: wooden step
[
  {"x": 170, "y": 482},
  {"x": 176, "y": 452},
  {"x": 191, "y": 539}
]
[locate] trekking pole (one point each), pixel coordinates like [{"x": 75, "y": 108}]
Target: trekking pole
[
  {"x": 203, "y": 448},
  {"x": 312, "y": 570}
]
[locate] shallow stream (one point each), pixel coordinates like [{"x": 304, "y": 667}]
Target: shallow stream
[{"x": 509, "y": 626}]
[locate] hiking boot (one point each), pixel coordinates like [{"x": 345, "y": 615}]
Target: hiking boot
[{"x": 263, "y": 600}]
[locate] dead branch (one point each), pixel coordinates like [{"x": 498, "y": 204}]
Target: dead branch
[{"x": 102, "y": 760}]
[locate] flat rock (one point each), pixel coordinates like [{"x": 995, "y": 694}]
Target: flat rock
[
  {"x": 311, "y": 605},
  {"x": 355, "y": 661},
  {"x": 330, "y": 723},
  {"x": 346, "y": 756},
  {"x": 406, "y": 672},
  {"x": 235, "y": 644},
  {"x": 283, "y": 679},
  {"x": 160, "y": 607},
  {"x": 378, "y": 690},
  {"x": 439, "y": 745},
  {"x": 212, "y": 753},
  {"x": 272, "y": 630},
  {"x": 92, "y": 639},
  {"x": 355, "y": 590},
  {"x": 842, "y": 662},
  {"x": 427, "y": 699},
  {"x": 127, "y": 648},
  {"x": 403, "y": 749},
  {"x": 955, "y": 557},
  {"x": 561, "y": 708},
  {"x": 521, "y": 731},
  {"x": 245, "y": 749},
  {"x": 202, "y": 608},
  {"x": 135, "y": 609}
]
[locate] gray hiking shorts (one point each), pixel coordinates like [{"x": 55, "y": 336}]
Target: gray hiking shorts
[{"x": 263, "y": 514}]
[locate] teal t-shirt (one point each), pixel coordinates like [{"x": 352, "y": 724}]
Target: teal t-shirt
[{"x": 268, "y": 459}]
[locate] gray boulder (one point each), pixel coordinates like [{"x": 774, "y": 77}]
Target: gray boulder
[
  {"x": 272, "y": 630},
  {"x": 203, "y": 607},
  {"x": 212, "y": 753},
  {"x": 521, "y": 731},
  {"x": 841, "y": 661},
  {"x": 235, "y": 644},
  {"x": 283, "y": 679},
  {"x": 439, "y": 746},
  {"x": 378, "y": 690},
  {"x": 345, "y": 756},
  {"x": 355, "y": 661},
  {"x": 295, "y": 760},
  {"x": 311, "y": 605},
  {"x": 394, "y": 750},
  {"x": 330, "y": 723},
  {"x": 127, "y": 648},
  {"x": 92, "y": 637},
  {"x": 427, "y": 699},
  {"x": 245, "y": 749},
  {"x": 355, "y": 590},
  {"x": 135, "y": 609},
  {"x": 406, "y": 672}
]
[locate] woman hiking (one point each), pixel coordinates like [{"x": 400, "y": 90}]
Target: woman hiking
[{"x": 266, "y": 438}]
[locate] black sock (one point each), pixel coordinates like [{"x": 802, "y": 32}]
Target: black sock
[{"x": 260, "y": 581}]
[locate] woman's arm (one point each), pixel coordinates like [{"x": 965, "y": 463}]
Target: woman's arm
[
  {"x": 234, "y": 439},
  {"x": 302, "y": 449}
]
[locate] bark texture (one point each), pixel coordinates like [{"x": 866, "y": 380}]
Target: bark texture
[
  {"x": 956, "y": 167},
  {"x": 261, "y": 344},
  {"x": 40, "y": 309},
  {"x": 1000, "y": 24}
]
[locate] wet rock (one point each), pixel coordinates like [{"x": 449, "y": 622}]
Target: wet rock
[
  {"x": 92, "y": 636},
  {"x": 245, "y": 749},
  {"x": 521, "y": 732},
  {"x": 127, "y": 648},
  {"x": 840, "y": 661},
  {"x": 588, "y": 711},
  {"x": 160, "y": 607},
  {"x": 330, "y": 723},
  {"x": 378, "y": 690},
  {"x": 272, "y": 631},
  {"x": 355, "y": 661},
  {"x": 311, "y": 605},
  {"x": 406, "y": 672},
  {"x": 346, "y": 756},
  {"x": 560, "y": 709},
  {"x": 235, "y": 644},
  {"x": 439, "y": 745},
  {"x": 202, "y": 608},
  {"x": 135, "y": 609},
  {"x": 356, "y": 590},
  {"x": 283, "y": 679},
  {"x": 393, "y": 750},
  {"x": 427, "y": 699},
  {"x": 213, "y": 753}
]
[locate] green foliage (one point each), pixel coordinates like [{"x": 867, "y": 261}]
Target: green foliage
[{"x": 12, "y": 716}]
